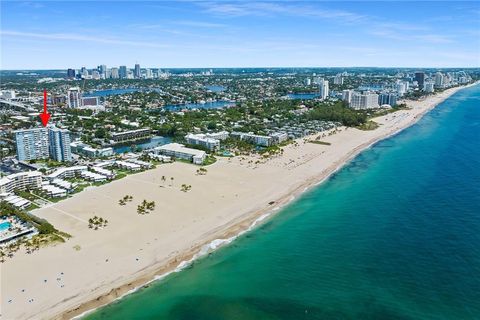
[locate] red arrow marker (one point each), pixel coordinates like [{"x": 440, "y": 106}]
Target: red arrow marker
[{"x": 45, "y": 116}]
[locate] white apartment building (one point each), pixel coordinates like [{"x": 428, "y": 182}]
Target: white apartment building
[
  {"x": 130, "y": 135},
  {"x": 202, "y": 140},
  {"x": 364, "y": 101},
  {"x": 259, "y": 140},
  {"x": 178, "y": 150},
  {"x": 105, "y": 172},
  {"x": 429, "y": 87},
  {"x": 347, "y": 95},
  {"x": 74, "y": 97},
  {"x": 21, "y": 181},
  {"x": 338, "y": 79},
  {"x": 67, "y": 172},
  {"x": 439, "y": 80},
  {"x": 323, "y": 89},
  {"x": 128, "y": 165}
]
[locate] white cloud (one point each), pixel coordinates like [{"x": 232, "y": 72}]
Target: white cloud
[{"x": 78, "y": 37}]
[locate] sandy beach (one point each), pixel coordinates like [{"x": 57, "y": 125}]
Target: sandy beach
[{"x": 94, "y": 268}]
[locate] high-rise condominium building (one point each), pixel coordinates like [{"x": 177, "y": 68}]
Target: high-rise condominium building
[
  {"x": 74, "y": 97},
  {"x": 114, "y": 73},
  {"x": 59, "y": 144},
  {"x": 364, "y": 101},
  {"x": 122, "y": 72},
  {"x": 148, "y": 73},
  {"x": 31, "y": 144},
  {"x": 429, "y": 87},
  {"x": 439, "y": 82},
  {"x": 387, "y": 98},
  {"x": 338, "y": 79},
  {"x": 401, "y": 88},
  {"x": 84, "y": 72},
  {"x": 137, "y": 73},
  {"x": 323, "y": 86},
  {"x": 347, "y": 95},
  {"x": 71, "y": 73},
  {"x": 102, "y": 70},
  {"x": 420, "y": 78}
]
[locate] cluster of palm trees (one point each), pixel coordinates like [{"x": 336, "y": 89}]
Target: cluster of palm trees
[
  {"x": 124, "y": 200},
  {"x": 146, "y": 207},
  {"x": 186, "y": 188},
  {"x": 97, "y": 222},
  {"x": 9, "y": 250},
  {"x": 30, "y": 245},
  {"x": 202, "y": 171},
  {"x": 165, "y": 179}
]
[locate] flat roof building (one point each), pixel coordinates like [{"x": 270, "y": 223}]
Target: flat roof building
[
  {"x": 21, "y": 181},
  {"x": 178, "y": 150},
  {"x": 59, "y": 144},
  {"x": 31, "y": 144}
]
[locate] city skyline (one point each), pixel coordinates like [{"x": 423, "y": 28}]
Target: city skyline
[{"x": 219, "y": 34}]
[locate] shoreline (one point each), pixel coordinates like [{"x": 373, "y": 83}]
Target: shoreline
[
  {"x": 229, "y": 230},
  {"x": 231, "y": 235}
]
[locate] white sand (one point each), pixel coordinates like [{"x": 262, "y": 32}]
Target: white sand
[{"x": 220, "y": 204}]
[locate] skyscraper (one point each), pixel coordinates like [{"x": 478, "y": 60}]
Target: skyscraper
[
  {"x": 347, "y": 95},
  {"x": 102, "y": 69},
  {"x": 71, "y": 73},
  {"x": 84, "y": 72},
  {"x": 364, "y": 101},
  {"x": 439, "y": 80},
  {"x": 137, "y": 73},
  {"x": 387, "y": 98},
  {"x": 114, "y": 73},
  {"x": 338, "y": 79},
  {"x": 420, "y": 78},
  {"x": 122, "y": 72},
  {"x": 31, "y": 144},
  {"x": 323, "y": 86},
  {"x": 74, "y": 97},
  {"x": 59, "y": 144}
]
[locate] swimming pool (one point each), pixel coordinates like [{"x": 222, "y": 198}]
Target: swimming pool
[{"x": 4, "y": 226}]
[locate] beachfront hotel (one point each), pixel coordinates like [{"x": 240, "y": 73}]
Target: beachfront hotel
[{"x": 177, "y": 150}]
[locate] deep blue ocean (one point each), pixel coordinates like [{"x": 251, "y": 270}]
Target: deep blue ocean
[{"x": 395, "y": 234}]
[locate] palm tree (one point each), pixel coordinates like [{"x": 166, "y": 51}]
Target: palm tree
[{"x": 2, "y": 256}]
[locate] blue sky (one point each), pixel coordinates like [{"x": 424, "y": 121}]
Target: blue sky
[{"x": 61, "y": 34}]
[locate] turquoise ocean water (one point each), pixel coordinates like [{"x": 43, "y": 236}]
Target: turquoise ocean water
[{"x": 395, "y": 234}]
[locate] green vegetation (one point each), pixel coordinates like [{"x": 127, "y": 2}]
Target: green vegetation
[
  {"x": 338, "y": 112},
  {"x": 97, "y": 222},
  {"x": 202, "y": 171},
  {"x": 47, "y": 234},
  {"x": 125, "y": 199},
  {"x": 146, "y": 207},
  {"x": 320, "y": 142},
  {"x": 185, "y": 188},
  {"x": 42, "y": 225},
  {"x": 370, "y": 125},
  {"x": 209, "y": 160}
]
